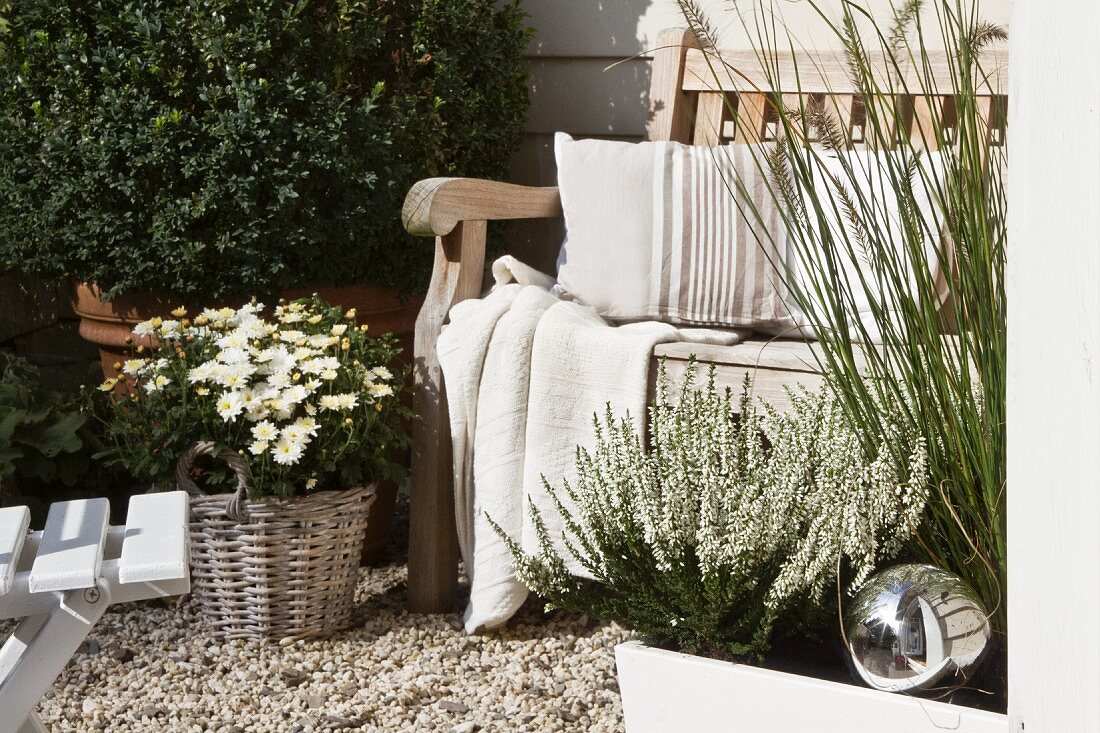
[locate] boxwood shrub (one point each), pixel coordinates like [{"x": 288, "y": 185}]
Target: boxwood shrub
[{"x": 218, "y": 148}]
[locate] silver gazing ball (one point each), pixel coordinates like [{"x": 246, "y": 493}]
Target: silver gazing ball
[{"x": 915, "y": 627}]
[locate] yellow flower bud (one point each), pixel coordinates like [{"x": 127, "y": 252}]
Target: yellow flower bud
[
  {"x": 350, "y": 313},
  {"x": 364, "y": 328},
  {"x": 378, "y": 407},
  {"x": 348, "y": 421},
  {"x": 179, "y": 312},
  {"x": 141, "y": 349},
  {"x": 117, "y": 365},
  {"x": 157, "y": 321},
  {"x": 345, "y": 344},
  {"x": 129, "y": 339}
]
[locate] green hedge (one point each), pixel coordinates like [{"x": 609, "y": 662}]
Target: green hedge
[{"x": 218, "y": 148}]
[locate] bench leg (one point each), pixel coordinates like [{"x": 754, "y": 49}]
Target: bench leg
[
  {"x": 39, "y": 649},
  {"x": 433, "y": 542},
  {"x": 433, "y": 546}
]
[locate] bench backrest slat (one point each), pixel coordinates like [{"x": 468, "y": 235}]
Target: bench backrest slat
[
  {"x": 156, "y": 546},
  {"x": 70, "y": 553}
]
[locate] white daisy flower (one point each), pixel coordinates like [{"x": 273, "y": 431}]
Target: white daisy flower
[
  {"x": 258, "y": 447},
  {"x": 234, "y": 354},
  {"x": 308, "y": 425},
  {"x": 265, "y": 430},
  {"x": 233, "y": 340},
  {"x": 295, "y": 434},
  {"x": 202, "y": 373},
  {"x": 330, "y": 402},
  {"x": 320, "y": 364},
  {"x": 281, "y": 361},
  {"x": 235, "y": 376},
  {"x": 339, "y": 329},
  {"x": 279, "y": 380},
  {"x": 145, "y": 328},
  {"x": 380, "y": 390},
  {"x": 286, "y": 453},
  {"x": 171, "y": 329},
  {"x": 230, "y": 406},
  {"x": 295, "y": 394},
  {"x": 279, "y": 405},
  {"x": 157, "y": 383},
  {"x": 382, "y": 373},
  {"x": 133, "y": 366}
]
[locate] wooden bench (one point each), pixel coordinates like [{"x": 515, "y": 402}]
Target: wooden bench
[
  {"x": 688, "y": 105},
  {"x": 60, "y": 581}
]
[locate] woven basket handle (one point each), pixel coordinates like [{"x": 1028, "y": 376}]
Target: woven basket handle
[{"x": 235, "y": 504}]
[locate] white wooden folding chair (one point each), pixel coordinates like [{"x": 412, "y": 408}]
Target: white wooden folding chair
[{"x": 61, "y": 580}]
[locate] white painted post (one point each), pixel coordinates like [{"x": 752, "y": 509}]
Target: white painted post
[{"x": 1054, "y": 366}]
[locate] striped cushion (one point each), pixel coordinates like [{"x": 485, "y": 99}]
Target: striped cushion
[{"x": 654, "y": 232}]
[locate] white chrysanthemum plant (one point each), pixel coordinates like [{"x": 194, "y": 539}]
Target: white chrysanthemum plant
[
  {"x": 727, "y": 519},
  {"x": 304, "y": 395}
]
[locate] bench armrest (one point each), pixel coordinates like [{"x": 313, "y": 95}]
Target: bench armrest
[
  {"x": 435, "y": 206},
  {"x": 455, "y": 211}
]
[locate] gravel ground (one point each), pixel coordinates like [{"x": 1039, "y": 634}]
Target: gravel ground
[{"x": 151, "y": 668}]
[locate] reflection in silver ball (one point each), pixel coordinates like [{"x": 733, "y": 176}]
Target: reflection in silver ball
[{"x": 915, "y": 627}]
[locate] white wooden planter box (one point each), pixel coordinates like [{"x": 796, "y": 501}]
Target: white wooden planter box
[{"x": 666, "y": 691}]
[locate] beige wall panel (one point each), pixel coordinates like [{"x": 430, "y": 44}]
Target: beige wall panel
[
  {"x": 585, "y": 97},
  {"x": 620, "y": 28}
]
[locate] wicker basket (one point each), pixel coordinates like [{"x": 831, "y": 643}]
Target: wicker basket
[{"x": 273, "y": 569}]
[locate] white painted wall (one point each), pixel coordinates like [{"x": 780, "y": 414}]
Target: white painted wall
[
  {"x": 1053, "y": 285},
  {"x": 590, "y": 67}
]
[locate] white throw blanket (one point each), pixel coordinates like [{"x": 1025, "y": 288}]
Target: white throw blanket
[{"x": 524, "y": 374}]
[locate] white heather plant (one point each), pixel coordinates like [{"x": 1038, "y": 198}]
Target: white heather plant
[
  {"x": 734, "y": 518},
  {"x": 305, "y": 397}
]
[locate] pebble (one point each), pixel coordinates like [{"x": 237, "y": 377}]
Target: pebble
[
  {"x": 313, "y": 701},
  {"x": 391, "y": 671},
  {"x": 149, "y": 712}
]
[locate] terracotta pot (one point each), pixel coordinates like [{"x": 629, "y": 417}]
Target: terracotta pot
[{"x": 109, "y": 324}]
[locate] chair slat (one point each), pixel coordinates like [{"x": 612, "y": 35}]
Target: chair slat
[
  {"x": 927, "y": 119},
  {"x": 71, "y": 551},
  {"x": 709, "y": 116},
  {"x": 888, "y": 111},
  {"x": 752, "y": 112},
  {"x": 842, "y": 106},
  {"x": 156, "y": 545},
  {"x": 14, "y": 522}
]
